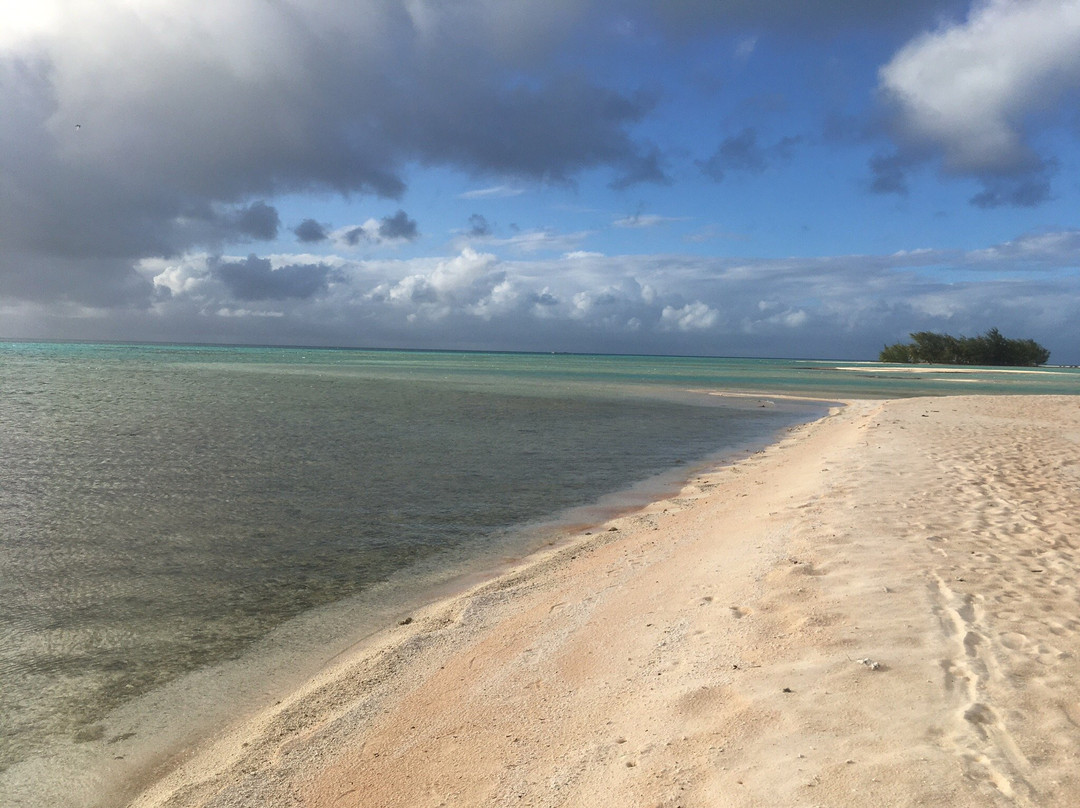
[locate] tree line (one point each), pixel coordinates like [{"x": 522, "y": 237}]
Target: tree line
[{"x": 990, "y": 348}]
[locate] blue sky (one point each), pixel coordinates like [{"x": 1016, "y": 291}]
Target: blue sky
[{"x": 773, "y": 178}]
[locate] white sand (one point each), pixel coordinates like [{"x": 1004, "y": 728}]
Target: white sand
[
  {"x": 982, "y": 371},
  {"x": 881, "y": 610}
]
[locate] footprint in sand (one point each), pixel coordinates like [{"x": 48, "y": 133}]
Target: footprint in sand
[{"x": 1013, "y": 640}]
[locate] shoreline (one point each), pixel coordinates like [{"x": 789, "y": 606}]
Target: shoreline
[
  {"x": 574, "y": 529},
  {"x": 788, "y": 629},
  {"x": 382, "y": 656},
  {"x": 145, "y": 737},
  {"x": 852, "y": 615}
]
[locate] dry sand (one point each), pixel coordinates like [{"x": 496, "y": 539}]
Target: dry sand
[{"x": 883, "y": 609}]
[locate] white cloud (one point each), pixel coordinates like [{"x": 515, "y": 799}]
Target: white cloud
[
  {"x": 501, "y": 299},
  {"x": 966, "y": 88},
  {"x": 463, "y": 271},
  {"x": 494, "y": 192},
  {"x": 937, "y": 305},
  {"x": 225, "y": 311},
  {"x": 188, "y": 275},
  {"x": 745, "y": 47},
  {"x": 1032, "y": 250},
  {"x": 794, "y": 319},
  {"x": 25, "y": 21},
  {"x": 470, "y": 281},
  {"x": 691, "y": 317},
  {"x": 531, "y": 241}
]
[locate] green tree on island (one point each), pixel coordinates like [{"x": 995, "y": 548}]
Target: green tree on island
[{"x": 990, "y": 348}]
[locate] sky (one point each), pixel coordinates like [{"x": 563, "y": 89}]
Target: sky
[{"x": 808, "y": 179}]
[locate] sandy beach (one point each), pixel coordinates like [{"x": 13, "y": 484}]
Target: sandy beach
[{"x": 881, "y": 609}]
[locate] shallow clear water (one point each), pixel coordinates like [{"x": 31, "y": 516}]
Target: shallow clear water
[{"x": 162, "y": 508}]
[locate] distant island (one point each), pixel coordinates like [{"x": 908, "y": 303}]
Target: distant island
[{"x": 990, "y": 348}]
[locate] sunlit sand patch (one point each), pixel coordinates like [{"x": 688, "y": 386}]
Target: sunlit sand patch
[{"x": 939, "y": 369}]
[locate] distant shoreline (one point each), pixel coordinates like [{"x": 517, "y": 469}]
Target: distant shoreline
[{"x": 886, "y": 368}]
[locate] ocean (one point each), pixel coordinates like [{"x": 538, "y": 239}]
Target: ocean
[{"x": 186, "y": 531}]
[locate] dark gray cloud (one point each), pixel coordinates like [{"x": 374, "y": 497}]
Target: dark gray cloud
[
  {"x": 283, "y": 98},
  {"x": 889, "y": 173},
  {"x": 255, "y": 279},
  {"x": 398, "y": 227},
  {"x": 1026, "y": 191},
  {"x": 310, "y": 231},
  {"x": 354, "y": 235},
  {"x": 478, "y": 226},
  {"x": 542, "y": 299},
  {"x": 1020, "y": 181},
  {"x": 98, "y": 282},
  {"x": 691, "y": 17},
  {"x": 644, "y": 168},
  {"x": 552, "y": 130},
  {"x": 258, "y": 221},
  {"x": 742, "y": 152}
]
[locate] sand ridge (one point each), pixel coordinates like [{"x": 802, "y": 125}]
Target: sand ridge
[{"x": 880, "y": 609}]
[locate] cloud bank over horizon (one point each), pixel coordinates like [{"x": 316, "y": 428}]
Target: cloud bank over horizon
[
  {"x": 570, "y": 175},
  {"x": 826, "y": 306}
]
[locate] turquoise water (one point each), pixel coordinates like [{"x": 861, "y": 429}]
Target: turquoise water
[
  {"x": 166, "y": 509},
  {"x": 529, "y": 371}
]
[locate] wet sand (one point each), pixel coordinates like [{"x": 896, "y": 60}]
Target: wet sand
[{"x": 882, "y": 609}]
